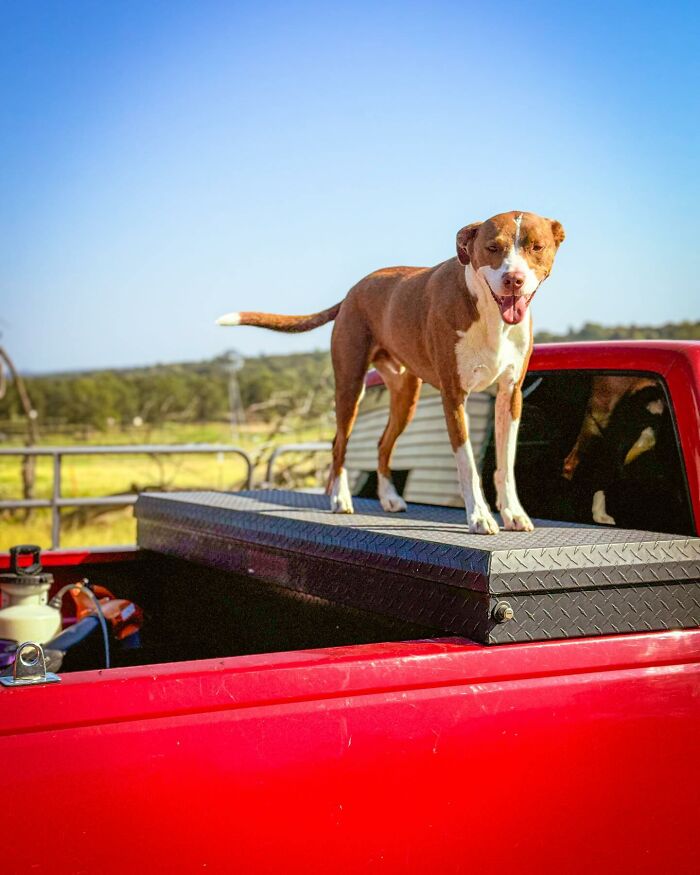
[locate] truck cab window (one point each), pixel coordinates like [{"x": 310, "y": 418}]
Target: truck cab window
[{"x": 599, "y": 448}]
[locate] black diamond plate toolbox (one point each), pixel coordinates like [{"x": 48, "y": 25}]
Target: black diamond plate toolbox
[{"x": 423, "y": 566}]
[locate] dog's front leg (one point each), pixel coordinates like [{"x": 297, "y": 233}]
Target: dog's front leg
[
  {"x": 479, "y": 517},
  {"x": 508, "y": 408}
]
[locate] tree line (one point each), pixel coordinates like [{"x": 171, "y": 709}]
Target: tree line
[
  {"x": 186, "y": 392},
  {"x": 202, "y": 391},
  {"x": 595, "y": 331}
]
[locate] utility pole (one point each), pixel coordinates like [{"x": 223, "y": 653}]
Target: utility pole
[{"x": 234, "y": 362}]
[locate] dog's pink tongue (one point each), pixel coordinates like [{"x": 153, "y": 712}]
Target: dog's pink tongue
[{"x": 513, "y": 307}]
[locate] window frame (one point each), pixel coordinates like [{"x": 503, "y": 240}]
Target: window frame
[{"x": 594, "y": 371}]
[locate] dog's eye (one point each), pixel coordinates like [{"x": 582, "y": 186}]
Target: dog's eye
[
  {"x": 537, "y": 247},
  {"x": 492, "y": 248}
]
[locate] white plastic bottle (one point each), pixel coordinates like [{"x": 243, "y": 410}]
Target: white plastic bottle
[{"x": 25, "y": 614}]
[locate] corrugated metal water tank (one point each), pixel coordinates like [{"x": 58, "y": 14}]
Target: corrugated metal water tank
[{"x": 424, "y": 447}]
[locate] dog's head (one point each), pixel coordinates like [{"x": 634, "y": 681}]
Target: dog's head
[{"x": 513, "y": 254}]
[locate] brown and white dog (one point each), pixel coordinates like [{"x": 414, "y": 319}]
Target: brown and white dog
[{"x": 459, "y": 326}]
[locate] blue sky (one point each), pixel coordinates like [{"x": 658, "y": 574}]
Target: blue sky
[{"x": 162, "y": 163}]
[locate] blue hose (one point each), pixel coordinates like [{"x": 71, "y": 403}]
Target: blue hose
[{"x": 74, "y": 634}]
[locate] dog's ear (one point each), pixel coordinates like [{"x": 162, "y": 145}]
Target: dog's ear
[
  {"x": 557, "y": 231},
  {"x": 465, "y": 239}
]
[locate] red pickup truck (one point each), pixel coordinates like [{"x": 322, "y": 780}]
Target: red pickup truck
[{"x": 306, "y": 697}]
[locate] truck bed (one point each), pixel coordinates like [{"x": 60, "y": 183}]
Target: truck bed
[{"x": 401, "y": 755}]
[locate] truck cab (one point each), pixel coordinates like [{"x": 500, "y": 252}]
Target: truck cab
[{"x": 654, "y": 483}]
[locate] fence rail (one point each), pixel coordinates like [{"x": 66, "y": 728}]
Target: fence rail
[
  {"x": 307, "y": 447},
  {"x": 57, "y": 501}
]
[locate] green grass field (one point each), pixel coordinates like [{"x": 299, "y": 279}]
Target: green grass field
[{"x": 84, "y": 476}]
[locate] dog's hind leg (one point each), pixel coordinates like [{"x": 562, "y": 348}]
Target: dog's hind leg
[
  {"x": 350, "y": 353},
  {"x": 404, "y": 389}
]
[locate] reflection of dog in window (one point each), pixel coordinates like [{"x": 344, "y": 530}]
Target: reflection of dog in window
[{"x": 622, "y": 421}]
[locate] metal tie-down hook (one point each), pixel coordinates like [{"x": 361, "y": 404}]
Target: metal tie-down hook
[{"x": 29, "y": 667}]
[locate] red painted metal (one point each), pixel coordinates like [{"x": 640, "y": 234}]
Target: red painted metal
[
  {"x": 572, "y": 756},
  {"x": 677, "y": 362},
  {"x": 52, "y": 559},
  {"x": 566, "y": 756}
]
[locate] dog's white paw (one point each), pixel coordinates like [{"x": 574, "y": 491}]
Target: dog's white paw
[
  {"x": 393, "y": 504},
  {"x": 341, "y": 505},
  {"x": 389, "y": 498},
  {"x": 604, "y": 519},
  {"x": 516, "y": 520},
  {"x": 481, "y": 522},
  {"x": 341, "y": 499},
  {"x": 599, "y": 512}
]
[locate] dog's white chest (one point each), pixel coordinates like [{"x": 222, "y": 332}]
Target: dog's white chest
[{"x": 485, "y": 353}]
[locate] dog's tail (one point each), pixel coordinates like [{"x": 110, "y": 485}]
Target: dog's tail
[{"x": 275, "y": 322}]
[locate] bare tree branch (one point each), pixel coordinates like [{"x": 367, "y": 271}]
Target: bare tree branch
[{"x": 28, "y": 462}]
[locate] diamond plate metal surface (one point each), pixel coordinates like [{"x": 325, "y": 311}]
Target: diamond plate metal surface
[
  {"x": 603, "y": 611},
  {"x": 423, "y": 566}
]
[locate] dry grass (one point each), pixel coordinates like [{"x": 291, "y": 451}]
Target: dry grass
[{"x": 89, "y": 476}]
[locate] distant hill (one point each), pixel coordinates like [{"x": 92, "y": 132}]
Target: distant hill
[{"x": 200, "y": 391}]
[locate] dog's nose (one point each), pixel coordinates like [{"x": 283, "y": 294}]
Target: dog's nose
[{"x": 513, "y": 281}]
